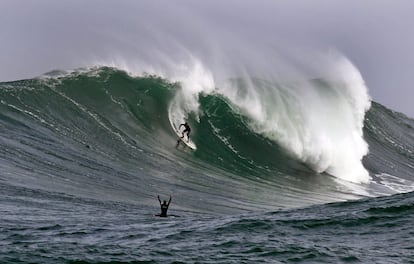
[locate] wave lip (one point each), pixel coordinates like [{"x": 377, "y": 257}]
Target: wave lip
[{"x": 318, "y": 121}]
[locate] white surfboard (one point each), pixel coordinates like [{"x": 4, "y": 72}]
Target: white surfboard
[{"x": 185, "y": 139}]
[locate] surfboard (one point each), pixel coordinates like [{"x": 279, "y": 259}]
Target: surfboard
[
  {"x": 189, "y": 144},
  {"x": 185, "y": 140}
]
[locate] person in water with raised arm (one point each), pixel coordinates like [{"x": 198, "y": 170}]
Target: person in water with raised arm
[
  {"x": 164, "y": 207},
  {"x": 186, "y": 129}
]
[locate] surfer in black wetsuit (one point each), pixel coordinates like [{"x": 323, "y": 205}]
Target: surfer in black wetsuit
[
  {"x": 164, "y": 207},
  {"x": 186, "y": 129}
]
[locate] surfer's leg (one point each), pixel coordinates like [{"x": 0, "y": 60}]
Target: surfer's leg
[{"x": 184, "y": 132}]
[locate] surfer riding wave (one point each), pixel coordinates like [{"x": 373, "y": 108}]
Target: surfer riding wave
[
  {"x": 187, "y": 130},
  {"x": 181, "y": 134}
]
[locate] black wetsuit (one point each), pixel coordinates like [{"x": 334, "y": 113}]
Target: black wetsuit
[
  {"x": 186, "y": 129},
  {"x": 164, "y": 207}
]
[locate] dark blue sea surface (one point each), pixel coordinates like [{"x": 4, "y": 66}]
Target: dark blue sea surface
[{"x": 42, "y": 227}]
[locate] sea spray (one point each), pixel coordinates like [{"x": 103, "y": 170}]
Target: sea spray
[
  {"x": 311, "y": 103},
  {"x": 319, "y": 121},
  {"x": 194, "y": 80}
]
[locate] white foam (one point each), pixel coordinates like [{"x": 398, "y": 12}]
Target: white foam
[
  {"x": 395, "y": 184},
  {"x": 318, "y": 122}
]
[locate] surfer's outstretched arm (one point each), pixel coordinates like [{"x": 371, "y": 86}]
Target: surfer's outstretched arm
[
  {"x": 169, "y": 201},
  {"x": 159, "y": 200}
]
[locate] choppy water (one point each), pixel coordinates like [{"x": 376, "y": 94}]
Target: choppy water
[{"x": 45, "y": 227}]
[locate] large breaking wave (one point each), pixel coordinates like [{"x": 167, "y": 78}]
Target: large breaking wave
[
  {"x": 103, "y": 133},
  {"x": 318, "y": 121}
]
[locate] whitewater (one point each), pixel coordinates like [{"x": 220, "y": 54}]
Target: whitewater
[{"x": 317, "y": 121}]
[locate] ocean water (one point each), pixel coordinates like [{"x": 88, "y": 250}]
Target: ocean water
[{"x": 284, "y": 172}]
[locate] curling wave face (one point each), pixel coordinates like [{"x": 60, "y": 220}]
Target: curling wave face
[{"x": 317, "y": 121}]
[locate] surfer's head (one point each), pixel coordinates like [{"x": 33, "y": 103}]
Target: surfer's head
[{"x": 165, "y": 202}]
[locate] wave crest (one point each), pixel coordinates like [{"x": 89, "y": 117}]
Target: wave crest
[{"x": 318, "y": 121}]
